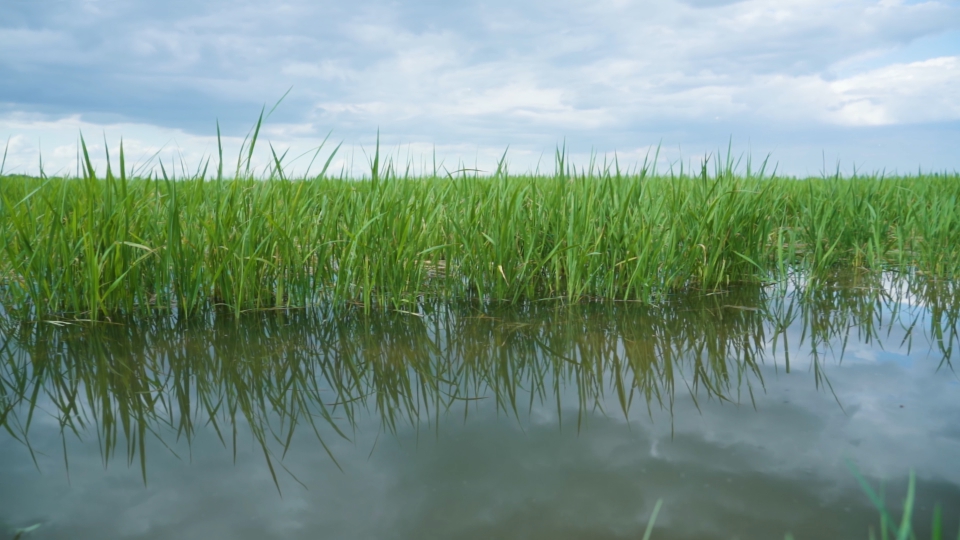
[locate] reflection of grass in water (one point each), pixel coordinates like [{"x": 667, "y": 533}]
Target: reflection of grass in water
[
  {"x": 153, "y": 377},
  {"x": 319, "y": 370},
  {"x": 278, "y": 371},
  {"x": 97, "y": 246}
]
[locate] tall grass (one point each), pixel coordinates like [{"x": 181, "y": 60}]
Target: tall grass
[{"x": 104, "y": 244}]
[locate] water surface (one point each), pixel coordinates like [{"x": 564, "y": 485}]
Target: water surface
[{"x": 742, "y": 410}]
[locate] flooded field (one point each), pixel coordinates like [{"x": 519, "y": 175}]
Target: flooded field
[{"x": 745, "y": 411}]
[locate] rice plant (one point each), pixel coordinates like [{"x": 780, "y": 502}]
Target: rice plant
[{"x": 103, "y": 244}]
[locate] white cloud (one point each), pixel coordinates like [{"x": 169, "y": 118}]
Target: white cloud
[
  {"x": 906, "y": 93},
  {"x": 609, "y": 75},
  {"x": 913, "y": 93}
]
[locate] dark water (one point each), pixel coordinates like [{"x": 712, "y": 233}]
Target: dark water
[{"x": 742, "y": 411}]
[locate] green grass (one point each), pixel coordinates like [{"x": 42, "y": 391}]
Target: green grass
[
  {"x": 889, "y": 528},
  {"x": 104, "y": 244}
]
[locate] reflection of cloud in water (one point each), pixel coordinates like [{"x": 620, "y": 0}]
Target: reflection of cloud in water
[
  {"x": 731, "y": 469},
  {"x": 725, "y": 468}
]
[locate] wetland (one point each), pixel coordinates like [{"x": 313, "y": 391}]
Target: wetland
[
  {"x": 744, "y": 411},
  {"x": 595, "y": 353}
]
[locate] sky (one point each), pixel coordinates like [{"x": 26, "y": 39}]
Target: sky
[{"x": 812, "y": 85}]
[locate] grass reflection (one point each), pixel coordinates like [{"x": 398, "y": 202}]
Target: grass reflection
[{"x": 321, "y": 370}]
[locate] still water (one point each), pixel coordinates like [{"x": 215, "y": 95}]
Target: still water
[{"x": 744, "y": 411}]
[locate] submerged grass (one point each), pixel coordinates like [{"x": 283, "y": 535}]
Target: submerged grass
[{"x": 100, "y": 245}]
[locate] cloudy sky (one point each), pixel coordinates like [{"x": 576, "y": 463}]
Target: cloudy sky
[{"x": 873, "y": 84}]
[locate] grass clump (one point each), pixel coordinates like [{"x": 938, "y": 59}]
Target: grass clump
[{"x": 99, "y": 245}]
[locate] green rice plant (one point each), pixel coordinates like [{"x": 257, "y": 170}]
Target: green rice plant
[
  {"x": 105, "y": 244},
  {"x": 890, "y": 529}
]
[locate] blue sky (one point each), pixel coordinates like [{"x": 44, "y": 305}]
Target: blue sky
[{"x": 874, "y": 85}]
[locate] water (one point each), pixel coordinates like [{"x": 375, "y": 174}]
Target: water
[{"x": 743, "y": 411}]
